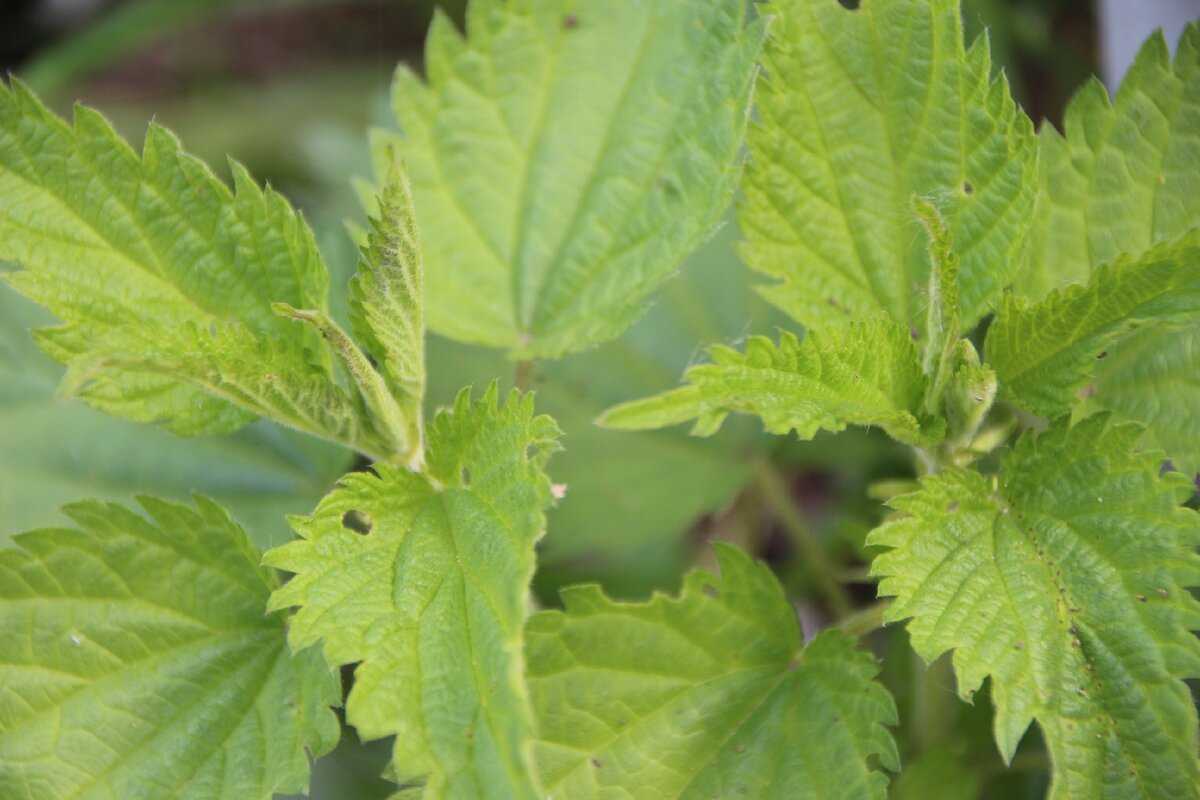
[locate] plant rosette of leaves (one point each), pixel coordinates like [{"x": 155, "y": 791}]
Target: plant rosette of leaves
[{"x": 555, "y": 164}]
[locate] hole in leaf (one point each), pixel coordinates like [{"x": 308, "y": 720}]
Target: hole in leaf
[
  {"x": 711, "y": 591},
  {"x": 464, "y": 475},
  {"x": 968, "y": 189},
  {"x": 357, "y": 521},
  {"x": 570, "y": 21}
]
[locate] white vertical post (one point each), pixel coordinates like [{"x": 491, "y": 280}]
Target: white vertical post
[{"x": 1125, "y": 24}]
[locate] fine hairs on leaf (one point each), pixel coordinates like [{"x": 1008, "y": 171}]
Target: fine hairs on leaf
[{"x": 556, "y": 163}]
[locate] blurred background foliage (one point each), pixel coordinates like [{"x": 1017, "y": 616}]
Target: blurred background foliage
[{"x": 289, "y": 87}]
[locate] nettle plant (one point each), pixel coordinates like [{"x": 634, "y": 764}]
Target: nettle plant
[{"x": 1022, "y": 310}]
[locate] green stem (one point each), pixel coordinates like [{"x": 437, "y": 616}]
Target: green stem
[
  {"x": 865, "y": 620},
  {"x": 779, "y": 499},
  {"x": 936, "y": 705},
  {"x": 524, "y": 376}
]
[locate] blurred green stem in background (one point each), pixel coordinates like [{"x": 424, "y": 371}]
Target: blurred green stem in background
[
  {"x": 778, "y": 497},
  {"x": 115, "y": 35}
]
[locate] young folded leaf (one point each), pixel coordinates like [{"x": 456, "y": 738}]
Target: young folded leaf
[
  {"x": 164, "y": 280},
  {"x": 1120, "y": 179},
  {"x": 867, "y": 374},
  {"x": 1067, "y": 584},
  {"x": 860, "y": 111},
  {"x": 386, "y": 300},
  {"x": 711, "y": 694},
  {"x": 566, "y": 156},
  {"x": 137, "y": 663},
  {"x": 1045, "y": 353},
  {"x": 424, "y": 579}
]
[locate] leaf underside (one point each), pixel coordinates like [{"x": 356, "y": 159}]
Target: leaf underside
[
  {"x": 136, "y": 663},
  {"x": 566, "y": 156},
  {"x": 860, "y": 111},
  {"x": 1067, "y": 585},
  {"x": 711, "y": 694},
  {"x": 423, "y": 578}
]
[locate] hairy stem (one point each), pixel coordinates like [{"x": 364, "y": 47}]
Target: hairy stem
[{"x": 779, "y": 499}]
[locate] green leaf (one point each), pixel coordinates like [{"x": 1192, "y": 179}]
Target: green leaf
[
  {"x": 868, "y": 374},
  {"x": 1045, "y": 353},
  {"x": 1153, "y": 375},
  {"x": 164, "y": 280},
  {"x": 943, "y": 321},
  {"x": 386, "y": 298},
  {"x": 709, "y": 694},
  {"x": 423, "y": 578},
  {"x": 1122, "y": 178},
  {"x": 136, "y": 662},
  {"x": 1066, "y": 581},
  {"x": 566, "y": 156},
  {"x": 633, "y": 500},
  {"x": 52, "y": 453},
  {"x": 860, "y": 111}
]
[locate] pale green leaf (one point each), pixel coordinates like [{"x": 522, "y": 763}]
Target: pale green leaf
[
  {"x": 1120, "y": 178},
  {"x": 860, "y": 111},
  {"x": 53, "y": 453},
  {"x": 423, "y": 578},
  {"x": 711, "y": 694},
  {"x": 1045, "y": 353},
  {"x": 1153, "y": 375},
  {"x": 1066, "y": 582},
  {"x": 566, "y": 155},
  {"x": 386, "y": 300},
  {"x": 136, "y": 663},
  {"x": 164, "y": 280},
  {"x": 867, "y": 374}
]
